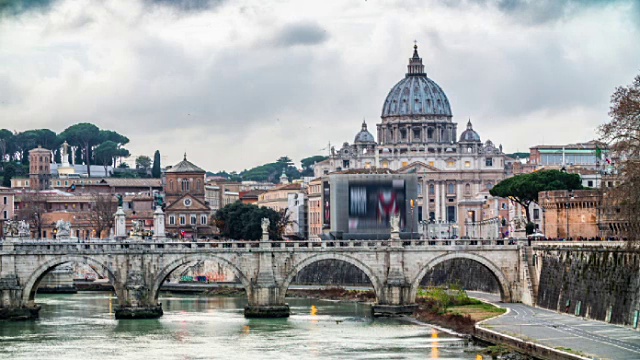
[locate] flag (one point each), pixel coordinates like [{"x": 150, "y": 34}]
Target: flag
[{"x": 598, "y": 153}]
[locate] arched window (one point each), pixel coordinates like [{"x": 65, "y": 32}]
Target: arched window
[
  {"x": 467, "y": 189},
  {"x": 185, "y": 185},
  {"x": 198, "y": 184},
  {"x": 432, "y": 189},
  {"x": 171, "y": 184}
]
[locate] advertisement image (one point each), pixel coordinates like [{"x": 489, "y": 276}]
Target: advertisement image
[{"x": 371, "y": 204}]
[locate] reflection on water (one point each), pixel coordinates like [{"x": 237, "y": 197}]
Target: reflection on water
[{"x": 81, "y": 326}]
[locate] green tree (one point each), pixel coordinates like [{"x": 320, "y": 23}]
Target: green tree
[
  {"x": 6, "y": 142},
  {"x": 307, "y": 164},
  {"x": 109, "y": 135},
  {"x": 243, "y": 221},
  {"x": 143, "y": 162},
  {"x": 524, "y": 189},
  {"x": 105, "y": 153},
  {"x": 85, "y": 136},
  {"x": 156, "y": 171},
  {"x": 9, "y": 173}
]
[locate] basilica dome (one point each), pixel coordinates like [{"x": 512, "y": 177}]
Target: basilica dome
[
  {"x": 364, "y": 136},
  {"x": 469, "y": 135},
  {"x": 416, "y": 94}
]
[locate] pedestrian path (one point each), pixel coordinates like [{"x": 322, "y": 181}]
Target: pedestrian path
[{"x": 590, "y": 338}]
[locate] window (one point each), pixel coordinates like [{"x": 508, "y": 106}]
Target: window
[
  {"x": 589, "y": 184},
  {"x": 451, "y": 213},
  {"x": 451, "y": 163},
  {"x": 185, "y": 184},
  {"x": 5, "y": 200},
  {"x": 467, "y": 189},
  {"x": 385, "y": 164},
  {"x": 488, "y": 162},
  {"x": 536, "y": 214},
  {"x": 6, "y": 214},
  {"x": 419, "y": 189},
  {"x": 172, "y": 220},
  {"x": 194, "y": 220},
  {"x": 203, "y": 219},
  {"x": 432, "y": 189},
  {"x": 451, "y": 188},
  {"x": 503, "y": 206},
  {"x": 171, "y": 184},
  {"x": 416, "y": 134},
  {"x": 345, "y": 164},
  {"x": 183, "y": 220},
  {"x": 467, "y": 164},
  {"x": 405, "y": 163}
]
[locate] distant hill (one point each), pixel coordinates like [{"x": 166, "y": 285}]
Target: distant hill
[{"x": 271, "y": 172}]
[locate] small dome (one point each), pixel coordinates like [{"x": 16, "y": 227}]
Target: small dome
[
  {"x": 364, "y": 136},
  {"x": 416, "y": 94},
  {"x": 470, "y": 135}
]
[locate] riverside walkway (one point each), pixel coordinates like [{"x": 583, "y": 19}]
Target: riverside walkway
[{"x": 591, "y": 339}]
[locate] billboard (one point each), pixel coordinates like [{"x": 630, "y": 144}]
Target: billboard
[
  {"x": 372, "y": 203},
  {"x": 326, "y": 204}
]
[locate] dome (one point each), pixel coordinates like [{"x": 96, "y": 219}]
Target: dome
[
  {"x": 364, "y": 136},
  {"x": 470, "y": 135},
  {"x": 416, "y": 94}
]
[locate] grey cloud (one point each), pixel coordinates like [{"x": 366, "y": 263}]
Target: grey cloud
[
  {"x": 301, "y": 34},
  {"x": 542, "y": 11},
  {"x": 187, "y": 5},
  {"x": 18, "y": 7}
]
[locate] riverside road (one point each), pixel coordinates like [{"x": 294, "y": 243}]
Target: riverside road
[{"x": 589, "y": 338}]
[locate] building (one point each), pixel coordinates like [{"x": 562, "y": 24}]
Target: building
[
  {"x": 570, "y": 214},
  {"x": 417, "y": 134},
  {"x": 314, "y": 209},
  {"x": 220, "y": 193},
  {"x": 186, "y": 211},
  {"x": 39, "y": 168},
  {"x": 289, "y": 200},
  {"x": 251, "y": 196}
]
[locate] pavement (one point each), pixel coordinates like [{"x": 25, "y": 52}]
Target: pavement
[{"x": 590, "y": 338}]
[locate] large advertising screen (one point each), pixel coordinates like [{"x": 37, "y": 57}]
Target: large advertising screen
[
  {"x": 326, "y": 204},
  {"x": 371, "y": 204}
]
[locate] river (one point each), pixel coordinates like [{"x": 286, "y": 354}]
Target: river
[{"x": 82, "y": 326}]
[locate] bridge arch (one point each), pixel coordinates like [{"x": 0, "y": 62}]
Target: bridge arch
[
  {"x": 172, "y": 266},
  {"x": 32, "y": 283},
  {"x": 503, "y": 283},
  {"x": 297, "y": 267}
]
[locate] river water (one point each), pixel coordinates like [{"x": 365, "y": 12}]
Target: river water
[{"x": 82, "y": 326}]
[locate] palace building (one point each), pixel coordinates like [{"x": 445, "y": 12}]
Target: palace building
[{"x": 417, "y": 134}]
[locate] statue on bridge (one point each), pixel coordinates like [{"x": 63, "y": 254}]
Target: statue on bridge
[
  {"x": 120, "y": 200},
  {"x": 265, "y": 225},
  {"x": 23, "y": 229},
  {"x": 394, "y": 221},
  {"x": 63, "y": 229},
  {"x": 10, "y": 228}
]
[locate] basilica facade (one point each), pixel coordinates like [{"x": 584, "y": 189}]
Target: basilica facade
[{"x": 417, "y": 134}]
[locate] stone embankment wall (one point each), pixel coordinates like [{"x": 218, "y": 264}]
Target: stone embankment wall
[
  {"x": 468, "y": 273},
  {"x": 602, "y": 284}
]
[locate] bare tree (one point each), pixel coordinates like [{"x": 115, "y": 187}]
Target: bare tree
[
  {"x": 623, "y": 133},
  {"x": 101, "y": 214},
  {"x": 32, "y": 207}
]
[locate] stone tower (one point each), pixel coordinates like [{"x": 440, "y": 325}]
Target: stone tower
[{"x": 39, "y": 168}]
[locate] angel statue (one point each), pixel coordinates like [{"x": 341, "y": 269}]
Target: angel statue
[
  {"x": 265, "y": 225},
  {"x": 394, "y": 220}
]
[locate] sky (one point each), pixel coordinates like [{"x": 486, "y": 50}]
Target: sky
[{"x": 239, "y": 83}]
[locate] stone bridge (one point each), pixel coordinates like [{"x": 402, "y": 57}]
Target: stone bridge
[{"x": 137, "y": 269}]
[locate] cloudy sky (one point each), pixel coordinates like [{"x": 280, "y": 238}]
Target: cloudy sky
[{"x": 237, "y": 83}]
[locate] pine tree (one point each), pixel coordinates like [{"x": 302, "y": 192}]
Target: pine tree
[{"x": 155, "y": 171}]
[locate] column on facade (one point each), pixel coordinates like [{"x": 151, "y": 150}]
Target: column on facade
[
  {"x": 437, "y": 201},
  {"x": 443, "y": 200}
]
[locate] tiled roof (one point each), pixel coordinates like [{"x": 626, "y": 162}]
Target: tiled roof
[
  {"x": 185, "y": 166},
  {"x": 133, "y": 182}
]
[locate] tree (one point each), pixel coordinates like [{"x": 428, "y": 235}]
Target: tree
[
  {"x": 524, "y": 189},
  {"x": 156, "y": 170},
  {"x": 143, "y": 162},
  {"x": 243, "y": 221},
  {"x": 308, "y": 163},
  {"x": 103, "y": 206},
  {"x": 9, "y": 173},
  {"x": 623, "y": 134},
  {"x": 6, "y": 142},
  {"x": 109, "y": 135},
  {"x": 84, "y": 135},
  {"x": 105, "y": 153},
  {"x": 32, "y": 207}
]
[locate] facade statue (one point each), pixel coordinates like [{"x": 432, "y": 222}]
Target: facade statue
[
  {"x": 394, "y": 221},
  {"x": 137, "y": 227},
  {"x": 159, "y": 201},
  {"x": 265, "y": 225},
  {"x": 120, "y": 200},
  {"x": 10, "y": 228}
]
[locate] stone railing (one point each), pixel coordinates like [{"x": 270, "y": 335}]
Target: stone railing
[{"x": 101, "y": 246}]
